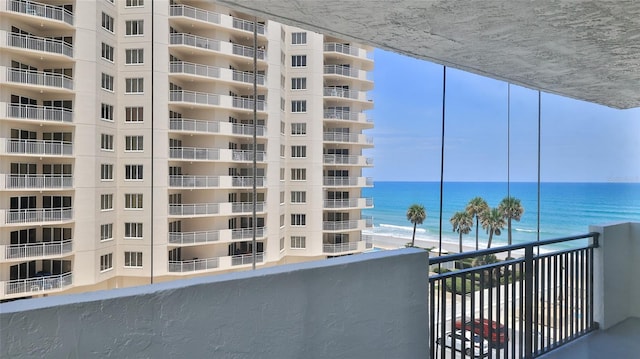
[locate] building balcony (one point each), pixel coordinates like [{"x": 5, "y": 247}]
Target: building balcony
[
  {"x": 58, "y": 49},
  {"x": 247, "y": 26},
  {"x": 349, "y": 203},
  {"x": 349, "y": 160},
  {"x": 212, "y": 72},
  {"x": 333, "y": 48},
  {"x": 214, "y": 154},
  {"x": 36, "y": 147},
  {"x": 53, "y": 16},
  {"x": 354, "y": 224},
  {"x": 194, "y": 182},
  {"x": 353, "y": 138},
  {"x": 194, "y": 209},
  {"x": 38, "y": 215},
  {"x": 347, "y": 181},
  {"x": 246, "y": 207},
  {"x": 38, "y": 249},
  {"x": 344, "y": 248},
  {"x": 36, "y": 181},
  {"x": 340, "y": 93},
  {"x": 348, "y": 73},
  {"x": 226, "y": 262},
  {"x": 205, "y": 45},
  {"x": 214, "y": 18},
  {"x": 339, "y": 116},
  {"x": 214, "y": 127},
  {"x": 38, "y": 285},
  {"x": 247, "y": 181},
  {"x": 215, "y": 236},
  {"x": 57, "y": 115},
  {"x": 43, "y": 81},
  {"x": 205, "y": 99}
]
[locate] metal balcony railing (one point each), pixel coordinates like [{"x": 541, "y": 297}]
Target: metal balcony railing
[
  {"x": 39, "y": 78},
  {"x": 247, "y": 155},
  {"x": 38, "y": 43},
  {"x": 201, "y": 98},
  {"x": 523, "y": 307},
  {"x": 348, "y": 203},
  {"x": 341, "y": 48},
  {"x": 44, "y": 181},
  {"x": 43, "y": 113},
  {"x": 39, "y": 284},
  {"x": 32, "y": 215},
  {"x": 345, "y": 115},
  {"x": 247, "y": 77},
  {"x": 246, "y": 259},
  {"x": 194, "y": 181},
  {"x": 195, "y": 41},
  {"x": 244, "y": 129},
  {"x": 181, "y": 67},
  {"x": 246, "y": 207},
  {"x": 184, "y": 124},
  {"x": 340, "y": 225},
  {"x": 194, "y": 237},
  {"x": 347, "y": 137},
  {"x": 42, "y": 10},
  {"x": 194, "y": 209},
  {"x": 247, "y": 104},
  {"x": 246, "y": 233},
  {"x": 247, "y": 26},
  {"x": 347, "y": 181},
  {"x": 194, "y": 13},
  {"x": 193, "y": 153},
  {"x": 39, "y": 147},
  {"x": 247, "y": 51},
  {"x": 39, "y": 249},
  {"x": 340, "y": 247},
  {"x": 341, "y": 70},
  {"x": 193, "y": 265},
  {"x": 247, "y": 181}
]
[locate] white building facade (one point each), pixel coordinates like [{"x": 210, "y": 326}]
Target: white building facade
[{"x": 126, "y": 144}]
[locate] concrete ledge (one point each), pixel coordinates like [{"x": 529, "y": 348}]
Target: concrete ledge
[{"x": 360, "y": 306}]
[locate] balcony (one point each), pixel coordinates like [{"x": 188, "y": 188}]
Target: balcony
[
  {"x": 342, "y": 248},
  {"x": 38, "y": 182},
  {"x": 210, "y": 99},
  {"x": 213, "y": 72},
  {"x": 37, "y": 147},
  {"x": 245, "y": 259},
  {"x": 340, "y": 115},
  {"x": 225, "y": 128},
  {"x": 39, "y": 113},
  {"x": 38, "y": 249},
  {"x": 194, "y": 209},
  {"x": 35, "y": 215},
  {"x": 38, "y": 285},
  {"x": 348, "y": 203},
  {"x": 347, "y": 94},
  {"x": 42, "y": 44},
  {"x": 247, "y": 155},
  {"x": 247, "y": 233},
  {"x": 245, "y": 25},
  {"x": 353, "y": 224},
  {"x": 347, "y": 181},
  {"x": 246, "y": 207},
  {"x": 247, "y": 181},
  {"x": 343, "y": 72},
  {"x": 332, "y": 47},
  {"x": 194, "y": 13},
  {"x": 206, "y": 44},
  {"x": 194, "y": 153},
  {"x": 223, "y": 235},
  {"x": 352, "y": 160},
  {"x": 193, "y": 265},
  {"x": 42, "y": 11},
  {"x": 194, "y": 181},
  {"x": 353, "y": 138},
  {"x": 47, "y": 80}
]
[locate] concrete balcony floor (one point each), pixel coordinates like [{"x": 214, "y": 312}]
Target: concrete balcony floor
[{"x": 619, "y": 341}]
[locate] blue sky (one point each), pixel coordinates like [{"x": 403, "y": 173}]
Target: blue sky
[{"x": 581, "y": 142}]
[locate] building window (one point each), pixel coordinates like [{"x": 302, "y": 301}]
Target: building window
[
  {"x": 282, "y": 127},
  {"x": 106, "y": 172},
  {"x": 298, "y": 38},
  {"x": 106, "y": 112},
  {"x": 298, "y": 197},
  {"x": 298, "y": 128},
  {"x": 299, "y": 106},
  {"x": 133, "y": 201},
  {"x": 106, "y": 142},
  {"x": 133, "y": 259},
  {"x": 107, "y": 22},
  {"x": 298, "y": 219},
  {"x": 106, "y": 202},
  {"x": 298, "y": 174},
  {"x": 282, "y": 147},
  {"x": 282, "y": 174},
  {"x": 134, "y": 56},
  {"x": 298, "y": 83},
  {"x": 298, "y": 151},
  {"x": 299, "y": 61},
  {"x": 281, "y": 243},
  {"x": 133, "y": 114},
  {"x": 107, "y": 52},
  {"x": 281, "y": 220},
  {"x": 133, "y": 172},
  {"x": 106, "y": 262},
  {"x": 107, "y": 82},
  {"x": 282, "y": 103},
  {"x": 281, "y": 197},
  {"x": 134, "y": 27},
  {"x": 106, "y": 232},
  {"x": 133, "y": 230},
  {"x": 135, "y": 85},
  {"x": 134, "y": 3},
  {"x": 298, "y": 242},
  {"x": 133, "y": 143}
]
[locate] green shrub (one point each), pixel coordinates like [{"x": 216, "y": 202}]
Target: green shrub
[{"x": 470, "y": 286}]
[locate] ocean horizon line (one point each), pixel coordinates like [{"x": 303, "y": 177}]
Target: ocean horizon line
[{"x": 523, "y": 182}]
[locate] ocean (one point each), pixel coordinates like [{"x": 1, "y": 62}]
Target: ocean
[{"x": 565, "y": 208}]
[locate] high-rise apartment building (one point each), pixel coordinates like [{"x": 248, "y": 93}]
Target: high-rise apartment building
[{"x": 127, "y": 143}]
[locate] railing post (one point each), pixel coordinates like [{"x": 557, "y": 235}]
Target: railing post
[{"x": 528, "y": 302}]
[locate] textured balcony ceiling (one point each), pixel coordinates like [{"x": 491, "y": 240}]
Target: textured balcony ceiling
[{"x": 584, "y": 49}]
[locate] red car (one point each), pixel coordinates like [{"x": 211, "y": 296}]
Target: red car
[{"x": 489, "y": 330}]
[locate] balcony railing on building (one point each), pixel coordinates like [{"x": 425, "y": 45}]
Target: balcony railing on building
[
  {"x": 340, "y": 247},
  {"x": 243, "y": 259},
  {"x": 193, "y": 265},
  {"x": 191, "y": 125},
  {"x": 194, "y": 13},
  {"x": 41, "y": 10},
  {"x": 345, "y": 93},
  {"x": 347, "y": 71},
  {"x": 194, "y": 181},
  {"x": 194, "y": 209},
  {"x": 202, "y": 98},
  {"x": 182, "y": 67},
  {"x": 348, "y": 203},
  {"x": 194, "y": 153},
  {"x": 366, "y": 222},
  {"x": 38, "y": 43},
  {"x": 247, "y": 155},
  {"x": 347, "y": 138},
  {"x": 39, "y": 284},
  {"x": 246, "y": 207},
  {"x": 39, "y": 147},
  {"x": 42, "y": 113},
  {"x": 42, "y": 181},
  {"x": 335, "y": 114},
  {"x": 39, "y": 249},
  {"x": 194, "y": 237},
  {"x": 341, "y": 48},
  {"x": 32, "y": 215},
  {"x": 247, "y": 26},
  {"x": 195, "y": 41},
  {"x": 247, "y": 181},
  {"x": 347, "y": 181},
  {"x": 39, "y": 78},
  {"x": 524, "y": 306},
  {"x": 247, "y": 103},
  {"x": 247, "y": 51},
  {"x": 246, "y": 233},
  {"x": 348, "y": 160}
]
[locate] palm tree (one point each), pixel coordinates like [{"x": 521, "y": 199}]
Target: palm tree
[
  {"x": 462, "y": 223},
  {"x": 510, "y": 208},
  {"x": 416, "y": 214},
  {"x": 475, "y": 208},
  {"x": 493, "y": 221}
]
